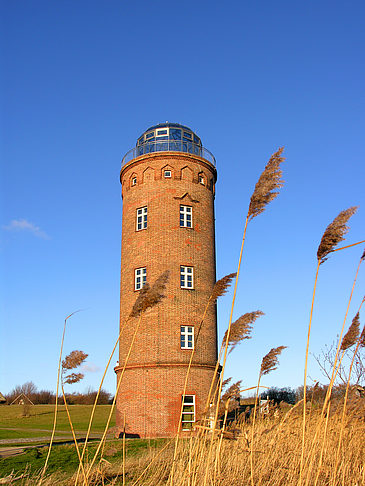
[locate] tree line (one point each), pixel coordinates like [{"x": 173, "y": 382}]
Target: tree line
[{"x": 45, "y": 397}]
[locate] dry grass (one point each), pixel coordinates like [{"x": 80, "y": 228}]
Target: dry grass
[
  {"x": 304, "y": 446},
  {"x": 277, "y": 455}
]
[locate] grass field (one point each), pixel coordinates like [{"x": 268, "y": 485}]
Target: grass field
[
  {"x": 64, "y": 458},
  {"x": 40, "y": 421}
]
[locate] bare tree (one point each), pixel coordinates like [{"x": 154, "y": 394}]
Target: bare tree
[{"x": 326, "y": 358}]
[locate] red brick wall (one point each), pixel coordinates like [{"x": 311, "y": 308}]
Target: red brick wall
[{"x": 150, "y": 396}]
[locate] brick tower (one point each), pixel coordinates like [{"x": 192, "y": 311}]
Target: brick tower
[{"x": 168, "y": 183}]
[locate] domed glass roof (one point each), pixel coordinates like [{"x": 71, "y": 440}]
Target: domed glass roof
[
  {"x": 168, "y": 131},
  {"x": 168, "y": 137}
]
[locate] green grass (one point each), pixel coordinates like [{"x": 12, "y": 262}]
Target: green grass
[
  {"x": 64, "y": 458},
  {"x": 17, "y": 434},
  {"x": 41, "y": 417}
]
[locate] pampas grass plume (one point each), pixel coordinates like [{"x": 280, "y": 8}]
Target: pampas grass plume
[
  {"x": 221, "y": 286},
  {"x": 352, "y": 334},
  {"x": 270, "y": 361},
  {"x": 334, "y": 233},
  {"x": 73, "y": 360},
  {"x": 265, "y": 189},
  {"x": 241, "y": 328},
  {"x": 150, "y": 296}
]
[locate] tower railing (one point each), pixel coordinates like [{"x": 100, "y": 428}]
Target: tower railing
[{"x": 169, "y": 146}]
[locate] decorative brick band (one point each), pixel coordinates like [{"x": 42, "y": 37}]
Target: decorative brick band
[{"x": 164, "y": 365}]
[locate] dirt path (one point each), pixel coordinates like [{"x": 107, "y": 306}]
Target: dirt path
[{"x": 7, "y": 450}]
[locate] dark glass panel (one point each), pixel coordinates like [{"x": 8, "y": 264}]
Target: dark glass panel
[{"x": 175, "y": 134}]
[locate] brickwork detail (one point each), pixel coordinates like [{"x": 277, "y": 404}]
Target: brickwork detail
[{"x": 150, "y": 394}]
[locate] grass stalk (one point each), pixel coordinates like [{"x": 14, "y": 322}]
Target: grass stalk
[
  {"x": 335, "y": 368},
  {"x": 123, "y": 458},
  {"x": 115, "y": 397},
  {"x": 225, "y": 351},
  {"x": 322, "y": 448},
  {"x": 218, "y": 453},
  {"x": 177, "y": 437},
  {"x": 305, "y": 375},
  {"x": 97, "y": 397},
  {"x": 348, "y": 246},
  {"x": 253, "y": 429},
  {"x": 73, "y": 433},
  {"x": 56, "y": 402},
  {"x": 329, "y": 390},
  {"x": 342, "y": 426}
]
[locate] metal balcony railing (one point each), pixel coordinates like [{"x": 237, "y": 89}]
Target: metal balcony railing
[{"x": 169, "y": 146}]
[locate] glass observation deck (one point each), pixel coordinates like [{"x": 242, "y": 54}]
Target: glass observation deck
[{"x": 168, "y": 137}]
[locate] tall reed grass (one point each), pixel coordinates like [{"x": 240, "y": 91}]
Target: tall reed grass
[{"x": 304, "y": 444}]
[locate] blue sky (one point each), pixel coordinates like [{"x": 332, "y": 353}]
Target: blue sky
[{"x": 82, "y": 80}]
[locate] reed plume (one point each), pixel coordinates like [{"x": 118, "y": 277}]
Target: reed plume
[
  {"x": 352, "y": 334},
  {"x": 269, "y": 363},
  {"x": 221, "y": 286},
  {"x": 363, "y": 256},
  {"x": 271, "y": 360},
  {"x": 73, "y": 378},
  {"x": 241, "y": 329},
  {"x": 265, "y": 189},
  {"x": 150, "y": 296},
  {"x": 138, "y": 306},
  {"x": 233, "y": 391},
  {"x": 73, "y": 360},
  {"x": 362, "y": 338},
  {"x": 334, "y": 233},
  {"x": 226, "y": 382}
]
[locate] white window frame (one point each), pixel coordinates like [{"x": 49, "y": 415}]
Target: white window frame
[
  {"x": 202, "y": 180},
  {"x": 187, "y": 332},
  {"x": 184, "y": 212},
  {"x": 134, "y": 181},
  {"x": 140, "y": 278},
  {"x": 187, "y": 403},
  {"x": 167, "y": 171},
  {"x": 185, "y": 272},
  {"x": 141, "y": 218}
]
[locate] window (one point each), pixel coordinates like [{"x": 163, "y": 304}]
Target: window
[
  {"x": 167, "y": 174},
  {"x": 186, "y": 277},
  {"x": 141, "y": 218},
  {"x": 201, "y": 180},
  {"x": 186, "y": 217},
  {"x": 186, "y": 337},
  {"x": 140, "y": 277},
  {"x": 134, "y": 181},
  {"x": 188, "y": 412}
]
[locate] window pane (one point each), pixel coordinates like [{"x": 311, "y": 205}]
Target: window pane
[
  {"x": 175, "y": 134},
  {"x": 188, "y": 417}
]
